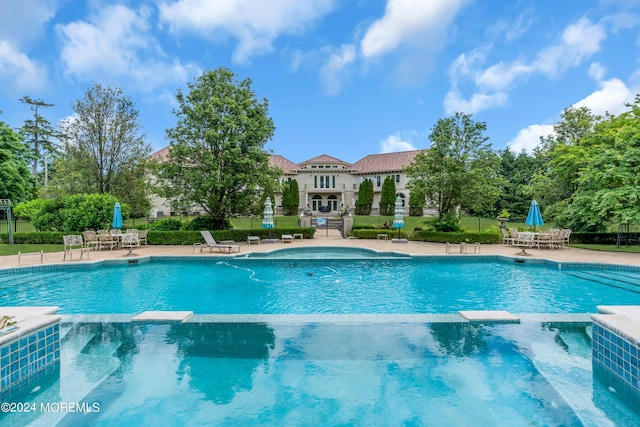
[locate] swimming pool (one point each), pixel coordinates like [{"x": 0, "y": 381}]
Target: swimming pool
[
  {"x": 390, "y": 285},
  {"x": 434, "y": 374}
]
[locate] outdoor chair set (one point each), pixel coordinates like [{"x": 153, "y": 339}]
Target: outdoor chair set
[{"x": 552, "y": 239}]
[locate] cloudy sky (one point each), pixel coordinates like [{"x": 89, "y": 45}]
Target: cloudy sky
[{"x": 345, "y": 78}]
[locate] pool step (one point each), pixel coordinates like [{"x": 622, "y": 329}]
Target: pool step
[
  {"x": 607, "y": 280},
  {"x": 34, "y": 279}
]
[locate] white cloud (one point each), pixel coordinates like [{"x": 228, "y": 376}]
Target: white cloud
[
  {"x": 21, "y": 20},
  {"x": 453, "y": 102},
  {"x": 579, "y": 41},
  {"x": 394, "y": 143},
  {"x": 408, "y": 21},
  {"x": 611, "y": 97},
  {"x": 336, "y": 68},
  {"x": 597, "y": 71},
  {"x": 19, "y": 69},
  {"x": 114, "y": 43},
  {"x": 255, "y": 23},
  {"x": 529, "y": 138}
]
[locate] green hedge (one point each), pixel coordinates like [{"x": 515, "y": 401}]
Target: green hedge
[
  {"x": 164, "y": 237},
  {"x": 364, "y": 233},
  {"x": 594, "y": 238},
  {"x": 456, "y": 237}
]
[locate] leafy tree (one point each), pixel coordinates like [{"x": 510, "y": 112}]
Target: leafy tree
[
  {"x": 104, "y": 151},
  {"x": 77, "y": 212},
  {"x": 388, "y": 196},
  {"x": 15, "y": 180},
  {"x": 608, "y": 182},
  {"x": 290, "y": 197},
  {"x": 40, "y": 134},
  {"x": 217, "y": 159},
  {"x": 560, "y": 157},
  {"x": 417, "y": 198},
  {"x": 365, "y": 198},
  {"x": 516, "y": 172},
  {"x": 459, "y": 169}
]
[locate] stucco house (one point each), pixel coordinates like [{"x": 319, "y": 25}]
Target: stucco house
[{"x": 328, "y": 185}]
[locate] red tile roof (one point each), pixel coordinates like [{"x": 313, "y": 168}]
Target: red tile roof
[
  {"x": 162, "y": 154},
  {"x": 384, "y": 162},
  {"x": 287, "y": 166},
  {"x": 323, "y": 158}
]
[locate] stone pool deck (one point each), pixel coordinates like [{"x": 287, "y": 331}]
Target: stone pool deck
[{"x": 333, "y": 239}]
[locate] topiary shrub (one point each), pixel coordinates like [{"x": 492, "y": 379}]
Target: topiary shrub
[
  {"x": 207, "y": 222},
  {"x": 167, "y": 224}
]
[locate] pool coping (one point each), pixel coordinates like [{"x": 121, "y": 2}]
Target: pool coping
[
  {"x": 401, "y": 257},
  {"x": 286, "y": 319}
]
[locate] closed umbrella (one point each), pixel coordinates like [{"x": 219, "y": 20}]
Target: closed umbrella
[
  {"x": 267, "y": 219},
  {"x": 398, "y": 219},
  {"x": 534, "y": 217},
  {"x": 116, "y": 223}
]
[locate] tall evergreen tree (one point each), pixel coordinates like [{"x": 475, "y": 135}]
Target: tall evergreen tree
[
  {"x": 15, "y": 180},
  {"x": 290, "y": 197},
  {"x": 365, "y": 197},
  {"x": 388, "y": 196}
]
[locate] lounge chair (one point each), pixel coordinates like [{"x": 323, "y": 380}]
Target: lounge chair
[{"x": 211, "y": 243}]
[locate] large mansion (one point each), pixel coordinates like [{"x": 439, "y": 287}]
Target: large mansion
[{"x": 328, "y": 185}]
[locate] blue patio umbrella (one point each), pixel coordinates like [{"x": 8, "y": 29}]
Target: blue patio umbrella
[
  {"x": 398, "y": 219},
  {"x": 117, "y": 217},
  {"x": 267, "y": 219},
  {"x": 534, "y": 217}
]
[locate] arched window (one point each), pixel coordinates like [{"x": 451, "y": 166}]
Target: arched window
[{"x": 333, "y": 202}]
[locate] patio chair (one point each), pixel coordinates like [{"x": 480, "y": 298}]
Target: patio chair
[
  {"x": 105, "y": 239},
  {"x": 130, "y": 241},
  {"x": 91, "y": 240},
  {"x": 73, "y": 241},
  {"x": 142, "y": 237},
  {"x": 211, "y": 243},
  {"x": 506, "y": 239}
]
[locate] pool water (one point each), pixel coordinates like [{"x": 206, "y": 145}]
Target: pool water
[
  {"x": 435, "y": 374},
  {"x": 311, "y": 286}
]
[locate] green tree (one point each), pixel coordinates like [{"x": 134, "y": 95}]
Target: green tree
[
  {"x": 365, "y": 198},
  {"x": 417, "y": 198},
  {"x": 459, "y": 168},
  {"x": 388, "y": 196},
  {"x": 40, "y": 134},
  {"x": 516, "y": 171},
  {"x": 608, "y": 182},
  {"x": 290, "y": 197},
  {"x": 560, "y": 156},
  {"x": 15, "y": 180},
  {"x": 217, "y": 159}
]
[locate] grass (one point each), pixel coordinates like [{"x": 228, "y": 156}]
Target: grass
[
  {"x": 609, "y": 248},
  {"x": 6, "y": 249}
]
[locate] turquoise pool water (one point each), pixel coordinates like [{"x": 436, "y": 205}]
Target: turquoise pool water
[
  {"x": 311, "y": 374},
  {"x": 236, "y": 285}
]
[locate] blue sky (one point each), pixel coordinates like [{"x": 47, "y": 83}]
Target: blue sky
[{"x": 346, "y": 78}]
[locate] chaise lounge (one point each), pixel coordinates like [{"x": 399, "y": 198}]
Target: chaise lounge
[{"x": 211, "y": 243}]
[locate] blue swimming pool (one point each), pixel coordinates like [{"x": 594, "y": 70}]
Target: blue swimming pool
[
  {"x": 437, "y": 374},
  {"x": 391, "y": 285}
]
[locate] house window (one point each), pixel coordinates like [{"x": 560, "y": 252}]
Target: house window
[
  {"x": 398, "y": 178},
  {"x": 316, "y": 202},
  {"x": 321, "y": 181},
  {"x": 378, "y": 180},
  {"x": 315, "y": 181},
  {"x": 333, "y": 181}
]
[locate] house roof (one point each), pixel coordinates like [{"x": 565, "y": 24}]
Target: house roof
[
  {"x": 384, "y": 162},
  {"x": 162, "y": 154},
  {"x": 282, "y": 163},
  {"x": 323, "y": 158}
]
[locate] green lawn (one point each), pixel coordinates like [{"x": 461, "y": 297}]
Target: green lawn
[{"x": 6, "y": 249}]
